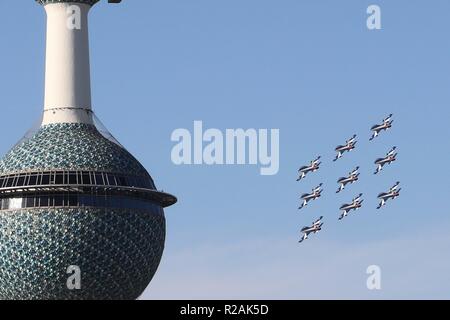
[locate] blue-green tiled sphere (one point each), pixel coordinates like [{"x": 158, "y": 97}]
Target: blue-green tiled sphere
[
  {"x": 70, "y": 146},
  {"x": 117, "y": 249}
]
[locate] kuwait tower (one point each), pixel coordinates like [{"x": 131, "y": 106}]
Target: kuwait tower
[{"x": 80, "y": 217}]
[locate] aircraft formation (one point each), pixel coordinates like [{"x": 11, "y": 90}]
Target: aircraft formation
[{"x": 352, "y": 177}]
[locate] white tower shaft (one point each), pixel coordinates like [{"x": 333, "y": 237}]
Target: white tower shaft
[{"x": 67, "y": 69}]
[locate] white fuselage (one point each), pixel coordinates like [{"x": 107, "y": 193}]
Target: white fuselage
[
  {"x": 390, "y": 195},
  {"x": 350, "y": 179}
]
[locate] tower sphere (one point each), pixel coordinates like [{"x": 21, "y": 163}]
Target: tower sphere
[{"x": 80, "y": 217}]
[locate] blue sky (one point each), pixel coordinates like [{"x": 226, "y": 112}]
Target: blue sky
[{"x": 309, "y": 68}]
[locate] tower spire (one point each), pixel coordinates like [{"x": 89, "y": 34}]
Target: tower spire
[{"x": 67, "y": 67}]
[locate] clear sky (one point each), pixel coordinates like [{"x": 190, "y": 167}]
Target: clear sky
[{"x": 309, "y": 68}]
